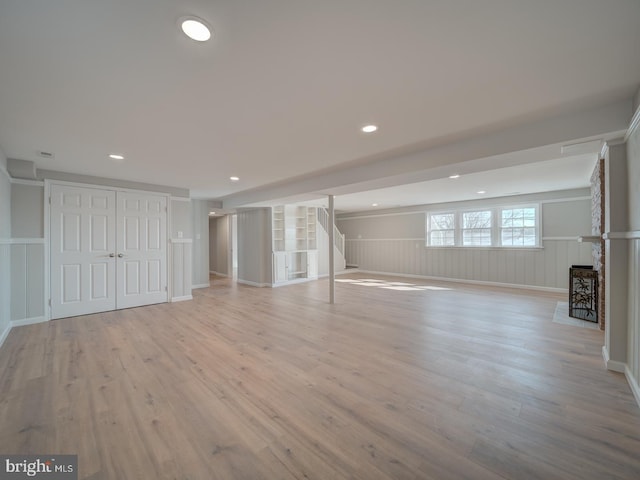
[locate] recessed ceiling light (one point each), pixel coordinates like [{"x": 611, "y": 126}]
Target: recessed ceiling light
[
  {"x": 211, "y": 214},
  {"x": 115, "y": 156},
  {"x": 374, "y": 204},
  {"x": 234, "y": 179},
  {"x": 454, "y": 176},
  {"x": 480, "y": 192},
  {"x": 195, "y": 28},
  {"x": 369, "y": 128}
]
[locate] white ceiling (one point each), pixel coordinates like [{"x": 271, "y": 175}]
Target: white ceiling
[{"x": 280, "y": 93}]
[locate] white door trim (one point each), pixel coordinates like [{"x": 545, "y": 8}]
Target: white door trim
[{"x": 48, "y": 183}]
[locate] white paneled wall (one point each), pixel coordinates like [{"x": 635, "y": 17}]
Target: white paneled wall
[
  {"x": 633, "y": 335},
  {"x": 27, "y": 279},
  {"x": 547, "y": 267},
  {"x": 181, "y": 273},
  {"x": 5, "y": 282}
]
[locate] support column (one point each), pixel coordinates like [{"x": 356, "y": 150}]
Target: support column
[
  {"x": 617, "y": 255},
  {"x": 332, "y": 268}
]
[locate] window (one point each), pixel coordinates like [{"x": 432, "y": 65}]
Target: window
[
  {"x": 518, "y": 227},
  {"x": 476, "y": 228},
  {"x": 510, "y": 226},
  {"x": 441, "y": 229}
]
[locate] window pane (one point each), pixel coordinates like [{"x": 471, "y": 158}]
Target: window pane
[
  {"x": 442, "y": 229},
  {"x": 480, "y": 219},
  {"x": 442, "y": 238},
  {"x": 443, "y": 221},
  {"x": 518, "y": 227},
  {"x": 480, "y": 237}
]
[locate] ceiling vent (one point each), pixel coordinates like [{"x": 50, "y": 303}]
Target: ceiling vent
[{"x": 46, "y": 155}]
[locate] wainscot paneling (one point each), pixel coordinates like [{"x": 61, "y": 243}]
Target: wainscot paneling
[
  {"x": 27, "y": 278},
  {"x": 181, "y": 261},
  {"x": 5, "y": 282},
  {"x": 633, "y": 347},
  {"x": 546, "y": 267}
]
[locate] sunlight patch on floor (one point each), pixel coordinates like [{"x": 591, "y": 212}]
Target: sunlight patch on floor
[{"x": 398, "y": 286}]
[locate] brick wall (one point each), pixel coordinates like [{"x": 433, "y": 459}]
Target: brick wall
[{"x": 597, "y": 228}]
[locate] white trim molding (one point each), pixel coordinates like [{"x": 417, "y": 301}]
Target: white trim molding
[
  {"x": 5, "y": 334},
  {"x": 20, "y": 323},
  {"x": 31, "y": 183},
  {"x": 612, "y": 365},
  {"x": 22, "y": 241},
  {"x": 635, "y": 388},
  {"x": 200, "y": 285},
  {"x": 211, "y": 272},
  {"x": 180, "y": 240},
  {"x": 6, "y": 173},
  {"x": 181, "y": 299},
  {"x": 559, "y": 239},
  {"x": 254, "y": 284},
  {"x": 631, "y": 235},
  {"x": 635, "y": 123},
  {"x": 180, "y": 199}
]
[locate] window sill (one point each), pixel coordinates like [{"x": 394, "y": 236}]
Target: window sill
[{"x": 460, "y": 247}]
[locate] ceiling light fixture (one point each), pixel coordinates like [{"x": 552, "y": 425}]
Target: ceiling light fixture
[
  {"x": 374, "y": 204},
  {"x": 211, "y": 214},
  {"x": 195, "y": 28},
  {"x": 115, "y": 156},
  {"x": 481, "y": 192},
  {"x": 369, "y": 128},
  {"x": 454, "y": 176},
  {"x": 234, "y": 179}
]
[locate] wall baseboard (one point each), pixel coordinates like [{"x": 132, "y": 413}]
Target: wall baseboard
[
  {"x": 341, "y": 272},
  {"x": 635, "y": 388},
  {"x": 211, "y": 272},
  {"x": 28, "y": 321},
  {"x": 181, "y": 299},
  {"x": 253, "y": 284},
  {"x": 20, "y": 323},
  {"x": 200, "y": 285},
  {"x": 612, "y": 365},
  {"x": 470, "y": 282},
  {"x": 5, "y": 334}
]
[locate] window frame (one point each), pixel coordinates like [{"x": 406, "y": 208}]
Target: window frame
[
  {"x": 455, "y": 227},
  {"x": 496, "y": 225},
  {"x": 492, "y": 221},
  {"x": 537, "y": 225}
]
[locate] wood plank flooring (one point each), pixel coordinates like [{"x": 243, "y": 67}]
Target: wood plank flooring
[{"x": 247, "y": 383}]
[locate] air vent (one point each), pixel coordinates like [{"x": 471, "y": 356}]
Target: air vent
[{"x": 46, "y": 155}]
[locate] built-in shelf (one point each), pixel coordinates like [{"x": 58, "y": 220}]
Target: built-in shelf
[{"x": 294, "y": 243}]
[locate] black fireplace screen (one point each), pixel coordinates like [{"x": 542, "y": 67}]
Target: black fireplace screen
[{"x": 583, "y": 293}]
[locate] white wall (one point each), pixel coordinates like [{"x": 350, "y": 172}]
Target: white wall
[
  {"x": 27, "y": 203},
  {"x": 5, "y": 235},
  {"x": 219, "y": 244},
  {"x": 200, "y": 228},
  {"x": 633, "y": 293},
  {"x": 394, "y": 242},
  {"x": 254, "y": 247}
]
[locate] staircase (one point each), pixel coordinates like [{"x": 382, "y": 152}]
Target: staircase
[{"x": 338, "y": 238}]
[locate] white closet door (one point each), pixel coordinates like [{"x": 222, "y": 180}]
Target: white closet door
[
  {"x": 142, "y": 249},
  {"x": 83, "y": 241}
]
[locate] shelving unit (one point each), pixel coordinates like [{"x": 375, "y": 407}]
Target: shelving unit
[
  {"x": 294, "y": 243},
  {"x": 278, "y": 228},
  {"x": 312, "y": 221}
]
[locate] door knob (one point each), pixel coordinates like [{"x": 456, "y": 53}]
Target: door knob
[
  {"x": 120, "y": 255},
  {"x": 112, "y": 255}
]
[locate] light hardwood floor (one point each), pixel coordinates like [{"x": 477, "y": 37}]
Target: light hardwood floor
[{"x": 247, "y": 383}]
